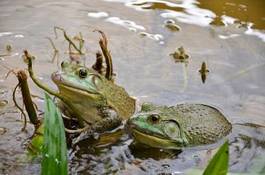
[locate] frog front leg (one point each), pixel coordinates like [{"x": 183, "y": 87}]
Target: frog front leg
[{"x": 110, "y": 119}]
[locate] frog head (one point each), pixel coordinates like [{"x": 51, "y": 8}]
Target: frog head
[
  {"x": 80, "y": 87},
  {"x": 89, "y": 92},
  {"x": 155, "y": 127}
]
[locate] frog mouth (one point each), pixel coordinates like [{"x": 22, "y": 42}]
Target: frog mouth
[
  {"x": 61, "y": 82},
  {"x": 133, "y": 128},
  {"x": 153, "y": 140}
]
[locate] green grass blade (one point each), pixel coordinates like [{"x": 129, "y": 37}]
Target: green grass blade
[
  {"x": 54, "y": 153},
  {"x": 219, "y": 163}
]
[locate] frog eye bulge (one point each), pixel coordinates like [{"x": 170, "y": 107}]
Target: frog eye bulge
[
  {"x": 82, "y": 73},
  {"x": 154, "y": 118}
]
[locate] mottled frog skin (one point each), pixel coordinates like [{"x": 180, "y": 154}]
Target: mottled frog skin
[
  {"x": 92, "y": 97},
  {"x": 179, "y": 126}
]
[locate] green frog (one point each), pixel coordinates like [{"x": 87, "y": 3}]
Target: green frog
[
  {"x": 178, "y": 126},
  {"x": 90, "y": 96}
]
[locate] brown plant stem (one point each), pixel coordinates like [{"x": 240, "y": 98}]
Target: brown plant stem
[
  {"x": 103, "y": 42},
  {"x": 29, "y": 105},
  {"x": 20, "y": 108}
]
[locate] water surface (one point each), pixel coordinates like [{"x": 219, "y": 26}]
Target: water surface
[{"x": 228, "y": 35}]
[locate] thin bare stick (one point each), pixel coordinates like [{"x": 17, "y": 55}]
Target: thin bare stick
[
  {"x": 68, "y": 39},
  {"x": 56, "y": 51},
  {"x": 81, "y": 41},
  {"x": 20, "y": 109}
]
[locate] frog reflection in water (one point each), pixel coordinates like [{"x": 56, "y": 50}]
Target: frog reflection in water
[
  {"x": 92, "y": 97},
  {"x": 178, "y": 126}
]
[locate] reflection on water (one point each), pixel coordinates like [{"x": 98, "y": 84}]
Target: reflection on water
[
  {"x": 240, "y": 11},
  {"x": 243, "y": 13},
  {"x": 247, "y": 14}
]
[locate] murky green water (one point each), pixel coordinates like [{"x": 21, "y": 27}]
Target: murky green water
[{"x": 228, "y": 35}]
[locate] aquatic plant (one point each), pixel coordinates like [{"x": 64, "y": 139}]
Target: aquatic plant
[
  {"x": 54, "y": 152},
  {"x": 219, "y": 163}
]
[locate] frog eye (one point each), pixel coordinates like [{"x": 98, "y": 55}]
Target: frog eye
[
  {"x": 82, "y": 73},
  {"x": 154, "y": 118}
]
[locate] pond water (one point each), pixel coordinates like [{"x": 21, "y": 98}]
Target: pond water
[{"x": 228, "y": 35}]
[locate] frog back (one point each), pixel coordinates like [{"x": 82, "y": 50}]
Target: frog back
[
  {"x": 118, "y": 99},
  {"x": 202, "y": 124}
]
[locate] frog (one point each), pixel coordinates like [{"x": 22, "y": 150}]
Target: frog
[
  {"x": 89, "y": 96},
  {"x": 179, "y": 126}
]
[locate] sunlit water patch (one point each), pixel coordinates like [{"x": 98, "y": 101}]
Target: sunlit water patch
[{"x": 250, "y": 15}]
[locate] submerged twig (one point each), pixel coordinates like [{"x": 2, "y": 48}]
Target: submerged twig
[{"x": 103, "y": 42}]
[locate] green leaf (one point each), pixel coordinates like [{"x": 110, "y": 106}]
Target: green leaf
[
  {"x": 219, "y": 163},
  {"x": 54, "y": 152}
]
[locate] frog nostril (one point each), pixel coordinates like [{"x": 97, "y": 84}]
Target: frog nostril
[{"x": 63, "y": 63}]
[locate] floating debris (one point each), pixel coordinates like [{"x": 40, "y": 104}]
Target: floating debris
[
  {"x": 170, "y": 24},
  {"x": 180, "y": 55},
  {"x": 3, "y": 103},
  {"x": 156, "y": 37},
  {"x": 2, "y": 130},
  {"x": 203, "y": 72},
  {"x": 8, "y": 48}
]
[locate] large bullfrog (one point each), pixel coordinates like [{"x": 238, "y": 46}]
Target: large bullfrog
[
  {"x": 90, "y": 96},
  {"x": 178, "y": 126}
]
